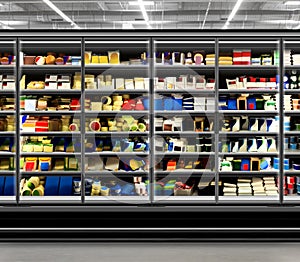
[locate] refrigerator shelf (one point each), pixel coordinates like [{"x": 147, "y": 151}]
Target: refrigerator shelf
[
  {"x": 115, "y": 91},
  {"x": 184, "y": 133},
  {"x": 51, "y": 199},
  {"x": 51, "y": 133},
  {"x": 186, "y": 91},
  {"x": 50, "y": 91},
  {"x": 248, "y": 91},
  {"x": 108, "y": 153},
  {"x": 50, "y": 113},
  {"x": 247, "y": 133},
  {"x": 52, "y": 154}
]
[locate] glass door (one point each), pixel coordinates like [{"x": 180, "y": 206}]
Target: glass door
[
  {"x": 291, "y": 103},
  {"x": 184, "y": 118},
  {"x": 248, "y": 112},
  {"x": 117, "y": 121},
  {"x": 50, "y": 121},
  {"x": 8, "y": 121}
]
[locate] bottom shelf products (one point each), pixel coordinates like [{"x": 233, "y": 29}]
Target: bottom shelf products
[
  {"x": 94, "y": 186},
  {"x": 48, "y": 186},
  {"x": 256, "y": 186},
  {"x": 7, "y": 186}
]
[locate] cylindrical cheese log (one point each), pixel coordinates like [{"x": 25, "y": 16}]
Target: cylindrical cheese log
[
  {"x": 35, "y": 180},
  {"x": 26, "y": 191},
  {"x": 38, "y": 191}
]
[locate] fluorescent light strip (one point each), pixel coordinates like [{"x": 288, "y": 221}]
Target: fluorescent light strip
[
  {"x": 292, "y": 3},
  {"x": 145, "y": 3},
  {"x": 233, "y": 12},
  {"x": 5, "y": 26},
  {"x": 144, "y": 12},
  {"x": 60, "y": 13}
]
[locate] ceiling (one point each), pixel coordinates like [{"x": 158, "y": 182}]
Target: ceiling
[{"x": 163, "y": 14}]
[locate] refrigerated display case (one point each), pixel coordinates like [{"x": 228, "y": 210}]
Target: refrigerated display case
[
  {"x": 181, "y": 125},
  {"x": 151, "y": 120}
]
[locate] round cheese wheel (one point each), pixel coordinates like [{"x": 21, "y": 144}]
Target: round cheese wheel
[
  {"x": 95, "y": 126},
  {"x": 50, "y": 60},
  {"x": 73, "y": 127},
  {"x": 59, "y": 61},
  {"x": 40, "y": 60}
]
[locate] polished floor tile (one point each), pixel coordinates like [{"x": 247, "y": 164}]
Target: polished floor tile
[{"x": 165, "y": 252}]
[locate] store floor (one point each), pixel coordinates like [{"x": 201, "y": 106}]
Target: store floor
[{"x": 165, "y": 252}]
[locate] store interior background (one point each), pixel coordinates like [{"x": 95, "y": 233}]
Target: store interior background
[
  {"x": 150, "y": 15},
  {"x": 139, "y": 14}
]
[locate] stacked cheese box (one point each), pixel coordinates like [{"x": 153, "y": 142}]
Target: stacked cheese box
[
  {"x": 47, "y": 103},
  {"x": 57, "y": 82},
  {"x": 270, "y": 186},
  {"x": 44, "y": 124},
  {"x": 258, "y": 187},
  {"x": 288, "y": 59},
  {"x": 184, "y": 81},
  {"x": 229, "y": 189},
  {"x": 296, "y": 59},
  {"x": 225, "y": 59},
  {"x": 241, "y": 57},
  {"x": 7, "y": 82},
  {"x": 244, "y": 187},
  {"x": 30, "y": 164},
  {"x": 210, "y": 59},
  {"x": 107, "y": 82}
]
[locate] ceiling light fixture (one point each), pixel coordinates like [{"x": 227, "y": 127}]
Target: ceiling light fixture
[
  {"x": 145, "y": 3},
  {"x": 144, "y": 12},
  {"x": 60, "y": 13},
  {"x": 232, "y": 14},
  {"x": 292, "y": 3}
]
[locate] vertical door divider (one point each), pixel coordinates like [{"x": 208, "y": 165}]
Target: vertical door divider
[
  {"x": 151, "y": 122},
  {"x": 216, "y": 120},
  {"x": 17, "y": 119},
  {"x": 281, "y": 123},
  {"x": 82, "y": 120}
]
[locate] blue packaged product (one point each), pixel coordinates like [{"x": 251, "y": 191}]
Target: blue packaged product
[
  {"x": 232, "y": 104},
  {"x": 158, "y": 104},
  {"x": 177, "y": 103},
  {"x": 168, "y": 103},
  {"x": 51, "y": 185},
  {"x": 2, "y": 181},
  {"x": 9, "y": 188},
  {"x": 65, "y": 186}
]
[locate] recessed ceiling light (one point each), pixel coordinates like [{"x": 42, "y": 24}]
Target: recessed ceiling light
[{"x": 292, "y": 3}]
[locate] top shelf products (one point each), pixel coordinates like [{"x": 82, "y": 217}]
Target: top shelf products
[{"x": 245, "y": 57}]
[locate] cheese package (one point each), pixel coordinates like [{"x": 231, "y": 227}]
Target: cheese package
[
  {"x": 4, "y": 164},
  {"x": 36, "y": 85},
  {"x": 30, "y": 164},
  {"x": 30, "y": 104},
  {"x": 51, "y": 85},
  {"x": 50, "y": 78},
  {"x": 48, "y": 148},
  {"x": 87, "y": 57},
  {"x": 59, "y": 164},
  {"x": 71, "y": 163},
  {"x": 41, "y": 126},
  {"x": 119, "y": 83},
  {"x": 44, "y": 163},
  {"x": 103, "y": 59},
  {"x": 8, "y": 85},
  {"x": 38, "y": 147},
  {"x": 139, "y": 83},
  {"x": 95, "y": 59},
  {"x": 129, "y": 84},
  {"x": 114, "y": 57}
]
